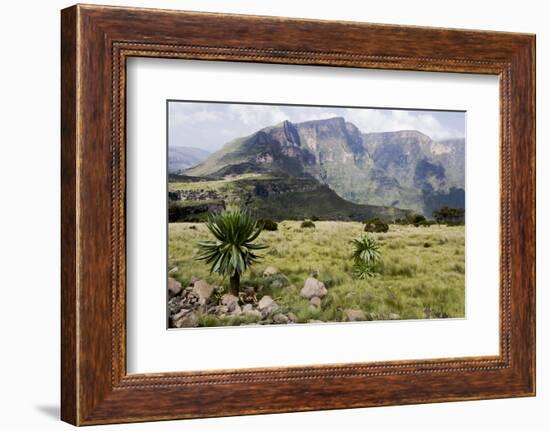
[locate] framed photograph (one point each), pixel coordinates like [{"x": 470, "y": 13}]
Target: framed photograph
[{"x": 322, "y": 214}]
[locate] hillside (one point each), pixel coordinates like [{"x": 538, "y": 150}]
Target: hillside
[
  {"x": 404, "y": 169},
  {"x": 277, "y": 196}
]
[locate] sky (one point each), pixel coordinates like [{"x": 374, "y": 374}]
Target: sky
[{"x": 211, "y": 125}]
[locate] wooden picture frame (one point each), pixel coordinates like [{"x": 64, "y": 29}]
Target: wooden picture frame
[{"x": 95, "y": 43}]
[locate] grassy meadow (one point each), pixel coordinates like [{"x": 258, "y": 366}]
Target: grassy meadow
[{"x": 421, "y": 273}]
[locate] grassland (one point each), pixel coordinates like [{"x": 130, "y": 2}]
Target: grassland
[{"x": 421, "y": 274}]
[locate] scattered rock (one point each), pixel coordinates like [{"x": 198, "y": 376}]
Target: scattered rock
[
  {"x": 280, "y": 319},
  {"x": 292, "y": 317},
  {"x": 270, "y": 270},
  {"x": 267, "y": 305},
  {"x": 249, "y": 310},
  {"x": 174, "y": 287},
  {"x": 394, "y": 316},
  {"x": 203, "y": 290},
  {"x": 354, "y": 315},
  {"x": 230, "y": 301},
  {"x": 315, "y": 301},
  {"x": 188, "y": 320},
  {"x": 313, "y": 287},
  {"x": 174, "y": 269},
  {"x": 236, "y": 310}
]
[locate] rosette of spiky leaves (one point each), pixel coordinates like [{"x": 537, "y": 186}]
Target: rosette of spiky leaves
[
  {"x": 233, "y": 250},
  {"x": 366, "y": 254}
]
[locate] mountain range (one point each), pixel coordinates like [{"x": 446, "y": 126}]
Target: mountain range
[
  {"x": 403, "y": 169},
  {"x": 181, "y": 158}
]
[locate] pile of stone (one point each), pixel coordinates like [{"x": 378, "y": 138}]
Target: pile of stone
[{"x": 187, "y": 305}]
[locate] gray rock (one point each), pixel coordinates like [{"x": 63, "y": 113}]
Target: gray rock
[
  {"x": 267, "y": 305},
  {"x": 203, "y": 290},
  {"x": 188, "y": 320},
  {"x": 252, "y": 312},
  {"x": 270, "y": 270},
  {"x": 174, "y": 287},
  {"x": 292, "y": 317},
  {"x": 313, "y": 287},
  {"x": 354, "y": 315},
  {"x": 247, "y": 307},
  {"x": 230, "y": 301},
  {"x": 315, "y": 301},
  {"x": 276, "y": 284},
  {"x": 314, "y": 321},
  {"x": 174, "y": 269},
  {"x": 236, "y": 311},
  {"x": 394, "y": 316},
  {"x": 280, "y": 319}
]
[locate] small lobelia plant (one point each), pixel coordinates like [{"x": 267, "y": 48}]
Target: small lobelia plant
[
  {"x": 233, "y": 250},
  {"x": 366, "y": 255}
]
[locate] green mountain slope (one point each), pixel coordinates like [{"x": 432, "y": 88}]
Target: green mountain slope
[
  {"x": 404, "y": 169},
  {"x": 276, "y": 196}
]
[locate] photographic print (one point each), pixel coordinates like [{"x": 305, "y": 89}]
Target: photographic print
[{"x": 300, "y": 214}]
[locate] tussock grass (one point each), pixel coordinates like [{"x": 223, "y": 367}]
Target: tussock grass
[{"x": 412, "y": 280}]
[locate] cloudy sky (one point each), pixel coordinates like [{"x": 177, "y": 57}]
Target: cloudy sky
[{"x": 211, "y": 125}]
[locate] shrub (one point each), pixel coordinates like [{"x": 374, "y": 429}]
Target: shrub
[
  {"x": 366, "y": 255},
  {"x": 233, "y": 250},
  {"x": 450, "y": 216},
  {"x": 308, "y": 224},
  {"x": 376, "y": 225},
  {"x": 268, "y": 224}
]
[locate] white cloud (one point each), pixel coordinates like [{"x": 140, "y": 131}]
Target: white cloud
[
  {"x": 378, "y": 120},
  {"x": 258, "y": 116}
]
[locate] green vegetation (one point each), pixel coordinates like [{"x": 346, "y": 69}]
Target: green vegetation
[
  {"x": 274, "y": 196},
  {"x": 376, "y": 225},
  {"x": 450, "y": 216},
  {"x": 268, "y": 224},
  {"x": 308, "y": 224},
  {"x": 366, "y": 255},
  {"x": 233, "y": 251},
  {"x": 412, "y": 280}
]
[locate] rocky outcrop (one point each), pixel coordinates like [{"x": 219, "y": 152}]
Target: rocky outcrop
[
  {"x": 313, "y": 287},
  {"x": 174, "y": 287},
  {"x": 196, "y": 195}
]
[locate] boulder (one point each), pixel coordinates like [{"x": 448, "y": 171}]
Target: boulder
[
  {"x": 292, "y": 317},
  {"x": 249, "y": 310},
  {"x": 394, "y": 316},
  {"x": 313, "y": 287},
  {"x": 203, "y": 290},
  {"x": 280, "y": 319},
  {"x": 188, "y": 320},
  {"x": 315, "y": 301},
  {"x": 270, "y": 270},
  {"x": 174, "y": 287},
  {"x": 229, "y": 301},
  {"x": 354, "y": 315},
  {"x": 236, "y": 311},
  {"x": 267, "y": 305}
]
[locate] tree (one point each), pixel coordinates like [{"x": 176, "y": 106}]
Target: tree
[
  {"x": 233, "y": 250},
  {"x": 366, "y": 255},
  {"x": 449, "y": 215}
]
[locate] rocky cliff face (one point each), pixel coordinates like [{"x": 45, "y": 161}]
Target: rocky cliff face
[{"x": 404, "y": 169}]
